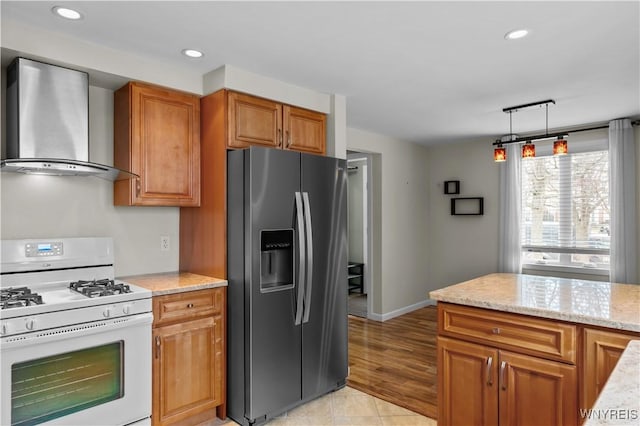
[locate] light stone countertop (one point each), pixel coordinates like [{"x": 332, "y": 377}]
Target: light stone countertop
[
  {"x": 604, "y": 304},
  {"x": 174, "y": 282},
  {"x": 619, "y": 401}
]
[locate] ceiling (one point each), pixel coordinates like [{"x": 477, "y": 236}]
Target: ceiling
[{"x": 426, "y": 72}]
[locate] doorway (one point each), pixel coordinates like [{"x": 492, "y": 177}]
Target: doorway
[{"x": 359, "y": 237}]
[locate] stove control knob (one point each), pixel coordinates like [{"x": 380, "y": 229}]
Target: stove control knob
[
  {"x": 126, "y": 309},
  {"x": 30, "y": 324},
  {"x": 107, "y": 312}
]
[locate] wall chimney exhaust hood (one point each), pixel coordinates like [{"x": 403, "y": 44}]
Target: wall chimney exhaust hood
[{"x": 48, "y": 122}]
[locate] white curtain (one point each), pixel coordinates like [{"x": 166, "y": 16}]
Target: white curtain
[
  {"x": 510, "y": 212},
  {"x": 622, "y": 199}
]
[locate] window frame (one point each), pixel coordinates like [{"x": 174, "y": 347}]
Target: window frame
[{"x": 593, "y": 144}]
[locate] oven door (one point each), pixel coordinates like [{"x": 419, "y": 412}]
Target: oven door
[{"x": 97, "y": 373}]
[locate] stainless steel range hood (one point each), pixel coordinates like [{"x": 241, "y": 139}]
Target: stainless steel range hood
[{"x": 48, "y": 122}]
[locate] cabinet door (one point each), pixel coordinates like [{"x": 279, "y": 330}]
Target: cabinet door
[
  {"x": 157, "y": 133},
  {"x": 305, "y": 130},
  {"x": 534, "y": 391},
  {"x": 602, "y": 349},
  {"x": 253, "y": 121},
  {"x": 467, "y": 383},
  {"x": 187, "y": 370}
]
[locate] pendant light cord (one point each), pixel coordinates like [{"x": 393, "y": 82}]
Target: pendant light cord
[{"x": 546, "y": 130}]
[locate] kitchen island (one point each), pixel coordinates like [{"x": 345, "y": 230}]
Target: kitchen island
[{"x": 529, "y": 348}]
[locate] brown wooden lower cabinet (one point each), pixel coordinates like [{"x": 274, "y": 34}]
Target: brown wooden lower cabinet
[
  {"x": 189, "y": 357},
  {"x": 602, "y": 350},
  {"x": 480, "y": 385},
  {"x": 536, "y": 391},
  {"x": 512, "y": 369},
  {"x": 467, "y": 383}
]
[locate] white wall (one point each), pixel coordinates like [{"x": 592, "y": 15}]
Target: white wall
[
  {"x": 462, "y": 247},
  {"x": 400, "y": 219},
  {"x": 72, "y": 206},
  {"x": 107, "y": 67}
]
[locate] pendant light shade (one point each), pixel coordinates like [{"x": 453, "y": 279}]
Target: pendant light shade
[
  {"x": 528, "y": 150},
  {"x": 500, "y": 154},
  {"x": 560, "y": 146}
]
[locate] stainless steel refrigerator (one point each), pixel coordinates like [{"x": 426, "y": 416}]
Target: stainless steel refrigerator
[{"x": 287, "y": 274}]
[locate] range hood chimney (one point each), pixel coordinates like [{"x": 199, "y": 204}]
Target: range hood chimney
[{"x": 48, "y": 122}]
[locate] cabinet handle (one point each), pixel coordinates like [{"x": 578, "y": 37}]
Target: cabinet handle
[
  {"x": 503, "y": 371},
  {"x": 189, "y": 305},
  {"x": 157, "y": 347},
  {"x": 279, "y": 141},
  {"x": 288, "y": 139},
  {"x": 489, "y": 365},
  {"x": 496, "y": 330},
  {"x": 138, "y": 186}
]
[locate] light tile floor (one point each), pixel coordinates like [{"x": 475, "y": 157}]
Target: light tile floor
[{"x": 345, "y": 407}]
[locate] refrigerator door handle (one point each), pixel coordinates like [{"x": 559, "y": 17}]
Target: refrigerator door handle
[
  {"x": 309, "y": 233},
  {"x": 303, "y": 259}
]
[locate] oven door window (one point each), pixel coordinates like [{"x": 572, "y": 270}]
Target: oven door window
[{"x": 55, "y": 386}]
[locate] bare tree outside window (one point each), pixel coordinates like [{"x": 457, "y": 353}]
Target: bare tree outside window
[{"x": 565, "y": 206}]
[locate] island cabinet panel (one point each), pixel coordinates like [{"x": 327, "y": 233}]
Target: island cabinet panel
[
  {"x": 157, "y": 136},
  {"x": 534, "y": 336},
  {"x": 602, "y": 350},
  {"x": 189, "y": 357},
  {"x": 507, "y": 369},
  {"x": 467, "y": 383},
  {"x": 535, "y": 391}
]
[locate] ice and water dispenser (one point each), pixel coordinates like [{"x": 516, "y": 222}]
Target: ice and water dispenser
[{"x": 276, "y": 259}]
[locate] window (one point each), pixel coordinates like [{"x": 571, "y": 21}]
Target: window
[{"x": 565, "y": 211}]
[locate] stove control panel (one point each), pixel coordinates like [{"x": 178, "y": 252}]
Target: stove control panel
[
  {"x": 73, "y": 317},
  {"x": 43, "y": 249}
]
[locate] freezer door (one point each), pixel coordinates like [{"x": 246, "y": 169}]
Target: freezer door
[
  {"x": 273, "y": 341},
  {"x": 324, "y": 338}
]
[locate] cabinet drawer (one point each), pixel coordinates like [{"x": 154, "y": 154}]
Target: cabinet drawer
[
  {"x": 185, "y": 306},
  {"x": 544, "y": 338}
]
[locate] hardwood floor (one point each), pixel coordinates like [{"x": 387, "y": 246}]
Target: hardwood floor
[{"x": 395, "y": 360}]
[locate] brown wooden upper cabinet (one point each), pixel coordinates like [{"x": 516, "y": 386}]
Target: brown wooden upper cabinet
[
  {"x": 257, "y": 121},
  {"x": 157, "y": 136}
]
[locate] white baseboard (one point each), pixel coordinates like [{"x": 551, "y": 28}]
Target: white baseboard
[{"x": 384, "y": 317}]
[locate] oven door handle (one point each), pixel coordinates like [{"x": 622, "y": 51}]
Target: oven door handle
[{"x": 75, "y": 331}]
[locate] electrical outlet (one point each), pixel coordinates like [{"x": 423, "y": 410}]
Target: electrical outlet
[{"x": 164, "y": 243}]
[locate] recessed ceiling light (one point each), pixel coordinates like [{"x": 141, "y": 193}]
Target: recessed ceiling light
[
  {"x": 67, "y": 13},
  {"x": 516, "y": 34},
  {"x": 192, "y": 53}
]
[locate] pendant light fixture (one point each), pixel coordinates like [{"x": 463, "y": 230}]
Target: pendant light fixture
[
  {"x": 500, "y": 154},
  {"x": 529, "y": 149},
  {"x": 560, "y": 146}
]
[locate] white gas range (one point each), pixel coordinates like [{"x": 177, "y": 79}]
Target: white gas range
[{"x": 75, "y": 342}]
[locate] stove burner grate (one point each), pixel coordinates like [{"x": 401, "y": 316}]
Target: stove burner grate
[
  {"x": 16, "y": 297},
  {"x": 99, "y": 288}
]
